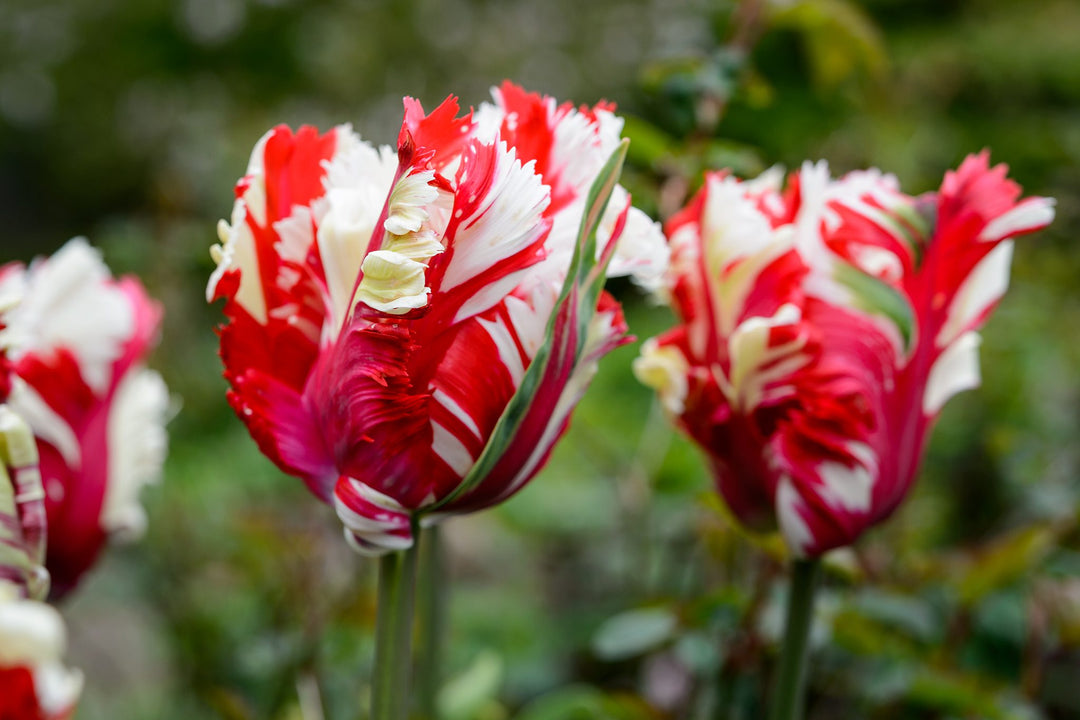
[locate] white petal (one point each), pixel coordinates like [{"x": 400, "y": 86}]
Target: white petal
[
  {"x": 456, "y": 410},
  {"x": 506, "y": 222},
  {"x": 447, "y": 446},
  {"x": 30, "y": 633},
  {"x": 1029, "y": 214},
  {"x": 137, "y": 444},
  {"x": 796, "y": 532},
  {"x": 847, "y": 488},
  {"x": 955, "y": 370},
  {"x": 46, "y": 423},
  {"x": 642, "y": 251},
  {"x": 69, "y": 302},
  {"x": 664, "y": 369},
  {"x": 358, "y": 179},
  {"x": 983, "y": 286}
]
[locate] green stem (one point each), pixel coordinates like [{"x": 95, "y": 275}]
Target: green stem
[
  {"x": 393, "y": 635},
  {"x": 431, "y": 610},
  {"x": 789, "y": 698}
]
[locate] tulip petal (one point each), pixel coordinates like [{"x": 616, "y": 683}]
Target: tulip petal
[{"x": 566, "y": 333}]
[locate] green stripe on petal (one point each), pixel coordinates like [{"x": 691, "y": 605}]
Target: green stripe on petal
[{"x": 876, "y": 297}]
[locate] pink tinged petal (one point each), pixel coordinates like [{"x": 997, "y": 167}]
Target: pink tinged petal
[
  {"x": 374, "y": 523},
  {"x": 278, "y": 419},
  {"x": 978, "y": 294},
  {"x": 374, "y": 420},
  {"x": 955, "y": 370}
]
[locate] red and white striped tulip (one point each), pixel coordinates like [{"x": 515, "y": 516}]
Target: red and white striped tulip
[
  {"x": 77, "y": 341},
  {"x": 409, "y": 331},
  {"x": 823, "y": 327}
]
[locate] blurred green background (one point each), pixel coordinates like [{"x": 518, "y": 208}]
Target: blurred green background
[{"x": 613, "y": 587}]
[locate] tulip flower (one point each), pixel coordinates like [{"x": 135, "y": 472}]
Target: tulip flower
[
  {"x": 78, "y": 339},
  {"x": 823, "y": 327},
  {"x": 385, "y": 307},
  {"x": 822, "y": 330},
  {"x": 409, "y": 331},
  {"x": 34, "y": 685}
]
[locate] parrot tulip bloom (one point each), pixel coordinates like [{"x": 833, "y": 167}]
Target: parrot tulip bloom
[
  {"x": 385, "y": 307},
  {"x": 823, "y": 327},
  {"x": 77, "y": 340}
]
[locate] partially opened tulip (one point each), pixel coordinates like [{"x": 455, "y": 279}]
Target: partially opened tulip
[
  {"x": 823, "y": 327},
  {"x": 34, "y": 685},
  {"x": 409, "y": 331},
  {"x": 78, "y": 342},
  {"x": 385, "y": 307}
]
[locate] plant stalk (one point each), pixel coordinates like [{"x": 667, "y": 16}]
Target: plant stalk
[
  {"x": 393, "y": 635},
  {"x": 432, "y": 602},
  {"x": 789, "y": 697}
]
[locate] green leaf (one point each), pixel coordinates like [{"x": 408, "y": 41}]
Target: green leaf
[
  {"x": 649, "y": 144},
  {"x": 1005, "y": 561},
  {"x": 911, "y": 615},
  {"x": 634, "y": 632},
  {"x": 466, "y": 696},
  {"x": 841, "y": 39},
  {"x": 578, "y": 702}
]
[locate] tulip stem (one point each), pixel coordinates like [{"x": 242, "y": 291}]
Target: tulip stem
[
  {"x": 393, "y": 635},
  {"x": 789, "y": 698},
  {"x": 432, "y": 602}
]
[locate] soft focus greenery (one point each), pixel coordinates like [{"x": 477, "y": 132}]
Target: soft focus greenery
[{"x": 614, "y": 587}]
